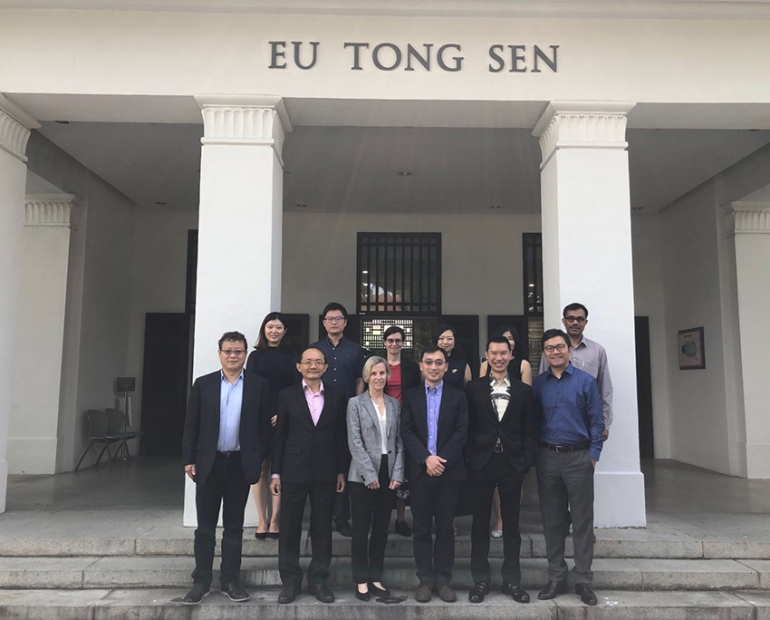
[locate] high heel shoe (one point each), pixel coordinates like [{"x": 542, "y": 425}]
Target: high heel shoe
[
  {"x": 273, "y": 535},
  {"x": 260, "y": 535},
  {"x": 362, "y": 596}
]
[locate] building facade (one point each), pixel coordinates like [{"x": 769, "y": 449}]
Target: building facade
[{"x": 633, "y": 136}]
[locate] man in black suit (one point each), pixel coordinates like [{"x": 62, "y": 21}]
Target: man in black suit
[
  {"x": 434, "y": 427},
  {"x": 500, "y": 450},
  {"x": 221, "y": 450},
  {"x": 310, "y": 458}
]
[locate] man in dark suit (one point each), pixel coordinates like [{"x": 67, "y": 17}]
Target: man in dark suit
[
  {"x": 434, "y": 427},
  {"x": 310, "y": 458},
  {"x": 221, "y": 450},
  {"x": 500, "y": 449}
]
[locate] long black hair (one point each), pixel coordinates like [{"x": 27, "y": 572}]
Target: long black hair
[
  {"x": 457, "y": 352},
  {"x": 262, "y": 339}
]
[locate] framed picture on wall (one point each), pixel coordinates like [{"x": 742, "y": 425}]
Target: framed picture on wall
[{"x": 692, "y": 355}]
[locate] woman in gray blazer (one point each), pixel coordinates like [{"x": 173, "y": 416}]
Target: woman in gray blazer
[{"x": 376, "y": 471}]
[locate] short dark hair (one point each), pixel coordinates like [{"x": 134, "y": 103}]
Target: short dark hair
[
  {"x": 262, "y": 339},
  {"x": 575, "y": 306},
  {"x": 233, "y": 337},
  {"x": 335, "y": 306},
  {"x": 457, "y": 352},
  {"x": 393, "y": 329},
  {"x": 432, "y": 348},
  {"x": 554, "y": 333},
  {"x": 499, "y": 340}
]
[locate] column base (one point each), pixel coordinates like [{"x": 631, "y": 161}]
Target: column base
[
  {"x": 619, "y": 499},
  {"x": 758, "y": 460},
  {"x": 32, "y": 455},
  {"x": 190, "y": 517}
]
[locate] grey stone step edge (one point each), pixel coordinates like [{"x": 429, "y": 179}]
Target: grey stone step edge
[
  {"x": 618, "y": 574},
  {"x": 163, "y": 605}
]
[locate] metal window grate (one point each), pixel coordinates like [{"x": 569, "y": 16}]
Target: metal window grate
[
  {"x": 399, "y": 273},
  {"x": 373, "y": 329},
  {"x": 533, "y": 273}
]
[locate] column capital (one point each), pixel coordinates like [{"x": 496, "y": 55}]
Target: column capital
[
  {"x": 259, "y": 120},
  {"x": 751, "y": 218},
  {"x": 15, "y": 128},
  {"x": 48, "y": 210},
  {"x": 582, "y": 125}
]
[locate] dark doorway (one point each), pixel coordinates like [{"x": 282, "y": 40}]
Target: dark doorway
[
  {"x": 298, "y": 331},
  {"x": 165, "y": 382},
  {"x": 644, "y": 387},
  {"x": 467, "y": 327}
]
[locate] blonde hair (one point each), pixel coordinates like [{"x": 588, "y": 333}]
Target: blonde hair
[{"x": 371, "y": 363}]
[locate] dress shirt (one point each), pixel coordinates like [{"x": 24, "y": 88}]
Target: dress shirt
[
  {"x": 433, "y": 399},
  {"x": 230, "y": 400},
  {"x": 567, "y": 410},
  {"x": 346, "y": 362},
  {"x": 591, "y": 357},
  {"x": 315, "y": 402},
  {"x": 500, "y": 391}
]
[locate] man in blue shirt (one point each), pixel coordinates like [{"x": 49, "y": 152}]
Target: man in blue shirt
[{"x": 569, "y": 425}]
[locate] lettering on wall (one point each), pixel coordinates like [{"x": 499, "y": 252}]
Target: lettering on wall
[{"x": 448, "y": 57}]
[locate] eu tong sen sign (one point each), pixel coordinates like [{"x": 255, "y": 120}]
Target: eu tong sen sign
[{"x": 447, "y": 57}]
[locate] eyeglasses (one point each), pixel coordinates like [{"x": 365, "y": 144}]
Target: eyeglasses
[
  {"x": 334, "y": 319},
  {"x": 230, "y": 352},
  {"x": 394, "y": 341},
  {"x": 311, "y": 363},
  {"x": 558, "y": 347},
  {"x": 575, "y": 319},
  {"x": 436, "y": 363}
]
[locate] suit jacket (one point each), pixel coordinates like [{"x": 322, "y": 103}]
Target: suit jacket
[
  {"x": 516, "y": 429},
  {"x": 410, "y": 373},
  {"x": 452, "y": 431},
  {"x": 201, "y": 425},
  {"x": 365, "y": 439},
  {"x": 302, "y": 451}
]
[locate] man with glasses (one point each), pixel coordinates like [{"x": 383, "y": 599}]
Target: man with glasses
[
  {"x": 569, "y": 425},
  {"x": 434, "y": 427},
  {"x": 346, "y": 362},
  {"x": 221, "y": 451},
  {"x": 587, "y": 355},
  {"x": 310, "y": 458}
]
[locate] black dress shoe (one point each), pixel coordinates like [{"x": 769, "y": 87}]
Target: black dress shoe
[
  {"x": 260, "y": 535},
  {"x": 478, "y": 592},
  {"x": 403, "y": 529},
  {"x": 343, "y": 527},
  {"x": 379, "y": 592},
  {"x": 519, "y": 594},
  {"x": 234, "y": 592},
  {"x": 288, "y": 594},
  {"x": 196, "y": 594},
  {"x": 321, "y": 592},
  {"x": 273, "y": 535},
  {"x": 585, "y": 593},
  {"x": 551, "y": 590},
  {"x": 362, "y": 596}
]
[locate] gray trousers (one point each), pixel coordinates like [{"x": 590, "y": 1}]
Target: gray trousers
[{"x": 565, "y": 483}]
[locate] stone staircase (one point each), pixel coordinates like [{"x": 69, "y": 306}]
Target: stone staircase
[{"x": 639, "y": 574}]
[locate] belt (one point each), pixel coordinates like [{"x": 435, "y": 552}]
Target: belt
[
  {"x": 227, "y": 455},
  {"x": 575, "y": 448}
]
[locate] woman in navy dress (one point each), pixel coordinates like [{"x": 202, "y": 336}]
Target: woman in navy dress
[
  {"x": 274, "y": 361},
  {"x": 459, "y": 371}
]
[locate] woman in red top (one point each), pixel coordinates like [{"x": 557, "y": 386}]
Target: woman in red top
[{"x": 404, "y": 373}]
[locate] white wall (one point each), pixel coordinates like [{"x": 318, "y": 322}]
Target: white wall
[
  {"x": 649, "y": 302},
  {"x": 319, "y": 260}
]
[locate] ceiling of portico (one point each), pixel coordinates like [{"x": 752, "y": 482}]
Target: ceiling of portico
[{"x": 355, "y": 169}]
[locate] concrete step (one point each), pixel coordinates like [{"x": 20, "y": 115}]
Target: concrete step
[
  {"x": 164, "y": 572},
  {"x": 164, "y": 604},
  {"x": 609, "y": 544}
]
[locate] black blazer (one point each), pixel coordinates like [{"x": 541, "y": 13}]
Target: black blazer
[
  {"x": 410, "y": 374},
  {"x": 304, "y": 452},
  {"x": 201, "y": 425},
  {"x": 452, "y": 431},
  {"x": 516, "y": 430}
]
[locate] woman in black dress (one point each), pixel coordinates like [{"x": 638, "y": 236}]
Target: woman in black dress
[
  {"x": 275, "y": 362},
  {"x": 459, "y": 372}
]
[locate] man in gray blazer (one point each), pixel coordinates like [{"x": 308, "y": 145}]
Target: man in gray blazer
[{"x": 376, "y": 471}]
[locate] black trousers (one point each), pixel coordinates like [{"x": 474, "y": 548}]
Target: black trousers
[
  {"x": 496, "y": 473},
  {"x": 370, "y": 510},
  {"x": 342, "y": 506},
  {"x": 434, "y": 499},
  {"x": 565, "y": 482},
  {"x": 293, "y": 498},
  {"x": 226, "y": 486}
]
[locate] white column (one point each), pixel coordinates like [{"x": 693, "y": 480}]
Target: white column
[
  {"x": 240, "y": 228},
  {"x": 752, "y": 259},
  {"x": 32, "y": 435},
  {"x": 586, "y": 215},
  {"x": 14, "y": 134}
]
